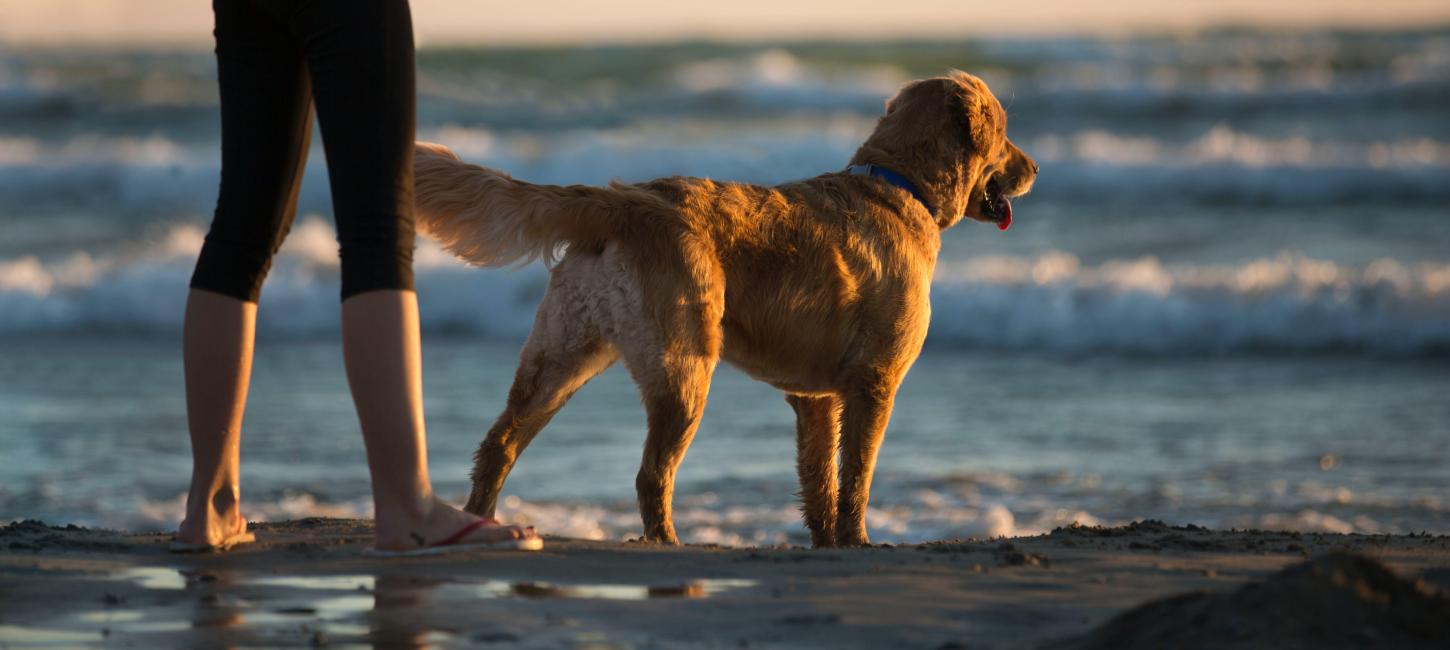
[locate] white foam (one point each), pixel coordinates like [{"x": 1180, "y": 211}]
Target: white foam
[
  {"x": 774, "y": 77},
  {"x": 1288, "y": 303},
  {"x": 1224, "y": 146},
  {"x": 698, "y": 520},
  {"x": 981, "y": 505},
  {"x": 1049, "y": 303},
  {"x": 146, "y": 178},
  {"x": 91, "y": 149},
  {"x": 164, "y": 514}
]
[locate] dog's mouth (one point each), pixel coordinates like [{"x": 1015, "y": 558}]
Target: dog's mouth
[{"x": 996, "y": 207}]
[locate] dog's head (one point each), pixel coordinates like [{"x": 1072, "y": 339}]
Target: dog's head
[{"x": 950, "y": 133}]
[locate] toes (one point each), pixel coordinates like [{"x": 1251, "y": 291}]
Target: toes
[{"x": 521, "y": 532}]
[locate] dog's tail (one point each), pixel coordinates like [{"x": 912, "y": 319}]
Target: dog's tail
[{"x": 489, "y": 219}]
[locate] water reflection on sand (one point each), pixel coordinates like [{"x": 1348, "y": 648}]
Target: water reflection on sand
[{"x": 227, "y": 608}]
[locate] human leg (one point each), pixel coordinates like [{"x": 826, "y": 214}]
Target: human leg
[
  {"x": 360, "y": 56},
  {"x": 266, "y": 113}
]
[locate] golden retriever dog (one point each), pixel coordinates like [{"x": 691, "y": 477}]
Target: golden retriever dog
[{"x": 818, "y": 287}]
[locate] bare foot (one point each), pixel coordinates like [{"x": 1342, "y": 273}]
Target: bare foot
[
  {"x": 211, "y": 528},
  {"x": 441, "y": 522}
]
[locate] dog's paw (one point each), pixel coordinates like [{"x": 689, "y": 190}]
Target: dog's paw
[{"x": 662, "y": 540}]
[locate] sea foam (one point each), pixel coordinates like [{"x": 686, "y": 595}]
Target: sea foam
[{"x": 1052, "y": 302}]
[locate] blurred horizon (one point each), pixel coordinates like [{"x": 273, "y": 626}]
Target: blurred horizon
[{"x": 187, "y": 24}]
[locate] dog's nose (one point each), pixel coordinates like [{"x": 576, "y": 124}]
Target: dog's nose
[{"x": 1035, "y": 167}]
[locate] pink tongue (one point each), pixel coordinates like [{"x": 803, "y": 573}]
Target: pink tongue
[{"x": 1006, "y": 221}]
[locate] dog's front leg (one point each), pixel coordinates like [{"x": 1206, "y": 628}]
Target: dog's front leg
[
  {"x": 818, "y": 433},
  {"x": 863, "y": 425}
]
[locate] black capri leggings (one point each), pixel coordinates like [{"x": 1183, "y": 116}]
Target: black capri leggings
[{"x": 275, "y": 58}]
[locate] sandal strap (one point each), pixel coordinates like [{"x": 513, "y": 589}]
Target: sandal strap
[{"x": 462, "y": 533}]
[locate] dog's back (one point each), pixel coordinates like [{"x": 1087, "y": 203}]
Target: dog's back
[
  {"x": 804, "y": 267},
  {"x": 489, "y": 219}
]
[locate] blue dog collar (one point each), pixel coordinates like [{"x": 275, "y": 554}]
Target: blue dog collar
[{"x": 893, "y": 178}]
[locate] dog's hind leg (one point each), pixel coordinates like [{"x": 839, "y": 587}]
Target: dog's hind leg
[
  {"x": 551, "y": 368},
  {"x": 818, "y": 433}
]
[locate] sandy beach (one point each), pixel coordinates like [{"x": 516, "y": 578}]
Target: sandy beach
[{"x": 307, "y": 582}]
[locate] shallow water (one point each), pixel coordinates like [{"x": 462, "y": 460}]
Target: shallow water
[
  {"x": 980, "y": 444},
  {"x": 1226, "y": 302}
]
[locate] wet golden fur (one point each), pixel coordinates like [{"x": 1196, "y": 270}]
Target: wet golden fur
[{"x": 818, "y": 287}]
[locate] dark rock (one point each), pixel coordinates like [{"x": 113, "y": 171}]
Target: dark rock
[{"x": 1335, "y": 601}]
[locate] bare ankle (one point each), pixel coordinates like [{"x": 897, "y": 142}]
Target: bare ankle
[
  {"x": 221, "y": 504},
  {"x": 226, "y": 501},
  {"x": 212, "y": 518},
  {"x": 405, "y": 512}
]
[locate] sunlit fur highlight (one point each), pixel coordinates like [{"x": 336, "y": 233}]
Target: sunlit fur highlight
[{"x": 818, "y": 287}]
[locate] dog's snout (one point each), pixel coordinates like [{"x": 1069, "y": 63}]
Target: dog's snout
[{"x": 1035, "y": 168}]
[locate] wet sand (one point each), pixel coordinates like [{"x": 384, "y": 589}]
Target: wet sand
[{"x": 306, "y": 583}]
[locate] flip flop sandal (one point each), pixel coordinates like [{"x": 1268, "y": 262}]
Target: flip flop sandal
[{"x": 452, "y": 545}]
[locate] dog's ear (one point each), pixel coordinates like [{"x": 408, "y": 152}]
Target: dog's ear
[
  {"x": 967, "y": 96},
  {"x": 965, "y": 99}
]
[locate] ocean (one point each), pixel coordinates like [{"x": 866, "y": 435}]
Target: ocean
[{"x": 1226, "y": 302}]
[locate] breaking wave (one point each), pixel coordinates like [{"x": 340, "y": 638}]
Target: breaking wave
[
  {"x": 146, "y": 178},
  {"x": 1053, "y": 302},
  {"x": 1285, "y": 304}
]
